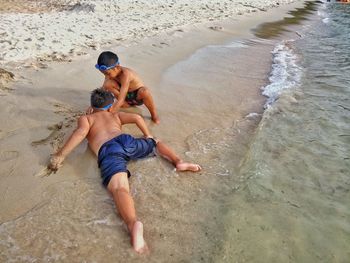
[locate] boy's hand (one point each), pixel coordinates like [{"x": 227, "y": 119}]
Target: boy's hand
[
  {"x": 89, "y": 110},
  {"x": 55, "y": 162}
]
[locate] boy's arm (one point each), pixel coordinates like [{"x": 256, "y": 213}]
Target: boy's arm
[
  {"x": 124, "y": 87},
  {"x": 127, "y": 118},
  {"x": 111, "y": 86},
  {"x": 73, "y": 141}
]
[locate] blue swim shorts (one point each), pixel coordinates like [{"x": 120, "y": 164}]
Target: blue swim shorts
[{"x": 114, "y": 154}]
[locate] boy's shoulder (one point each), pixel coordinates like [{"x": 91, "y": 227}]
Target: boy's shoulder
[
  {"x": 84, "y": 121},
  {"x": 129, "y": 71}
]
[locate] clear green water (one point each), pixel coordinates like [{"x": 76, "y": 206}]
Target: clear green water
[{"x": 294, "y": 203}]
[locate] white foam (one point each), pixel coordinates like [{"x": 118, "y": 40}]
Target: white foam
[
  {"x": 236, "y": 44},
  {"x": 321, "y": 12},
  {"x": 108, "y": 221},
  {"x": 326, "y": 20},
  {"x": 285, "y": 74},
  {"x": 252, "y": 115}
]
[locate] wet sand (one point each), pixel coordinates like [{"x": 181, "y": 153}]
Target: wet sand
[{"x": 203, "y": 96}]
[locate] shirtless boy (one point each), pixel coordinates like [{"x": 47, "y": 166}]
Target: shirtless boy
[
  {"x": 114, "y": 149},
  {"x": 125, "y": 84}
]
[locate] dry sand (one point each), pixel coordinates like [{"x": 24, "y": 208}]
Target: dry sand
[
  {"x": 42, "y": 105},
  {"x": 60, "y": 30}
]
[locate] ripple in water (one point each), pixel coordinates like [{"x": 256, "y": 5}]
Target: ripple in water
[{"x": 294, "y": 205}]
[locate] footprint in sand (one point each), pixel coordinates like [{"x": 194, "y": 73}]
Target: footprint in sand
[
  {"x": 8, "y": 156},
  {"x": 6, "y": 78},
  {"x": 68, "y": 112},
  {"x": 61, "y": 108},
  {"x": 216, "y": 28},
  {"x": 176, "y": 32},
  {"x": 54, "y": 137}
]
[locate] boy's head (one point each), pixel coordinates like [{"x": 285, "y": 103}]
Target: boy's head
[
  {"x": 101, "y": 99},
  {"x": 106, "y": 62}
]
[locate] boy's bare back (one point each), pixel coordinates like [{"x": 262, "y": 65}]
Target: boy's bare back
[{"x": 104, "y": 126}]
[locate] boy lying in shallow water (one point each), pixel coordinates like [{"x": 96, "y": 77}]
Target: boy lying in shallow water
[{"x": 114, "y": 149}]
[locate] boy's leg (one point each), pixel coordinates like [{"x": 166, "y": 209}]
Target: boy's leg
[
  {"x": 118, "y": 186},
  {"x": 166, "y": 152},
  {"x": 145, "y": 95}
]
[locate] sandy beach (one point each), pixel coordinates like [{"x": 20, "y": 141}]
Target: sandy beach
[
  {"x": 59, "y": 30},
  {"x": 205, "y": 69}
]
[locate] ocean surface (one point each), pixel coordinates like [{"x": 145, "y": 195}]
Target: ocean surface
[{"x": 294, "y": 205}]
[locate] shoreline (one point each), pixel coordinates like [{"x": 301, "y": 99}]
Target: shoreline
[{"x": 58, "y": 93}]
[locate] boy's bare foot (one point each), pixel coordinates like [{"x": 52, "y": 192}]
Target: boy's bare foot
[
  {"x": 137, "y": 240},
  {"x": 181, "y": 167},
  {"x": 155, "y": 119}
]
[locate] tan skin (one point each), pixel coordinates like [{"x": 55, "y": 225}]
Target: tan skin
[
  {"x": 100, "y": 127},
  {"x": 129, "y": 81}
]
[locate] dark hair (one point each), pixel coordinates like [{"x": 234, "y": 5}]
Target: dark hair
[
  {"x": 100, "y": 98},
  {"x": 107, "y": 58}
]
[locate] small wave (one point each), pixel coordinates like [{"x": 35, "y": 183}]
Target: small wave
[
  {"x": 236, "y": 44},
  {"x": 325, "y": 20},
  {"x": 323, "y": 12},
  {"x": 252, "y": 115},
  {"x": 285, "y": 74}
]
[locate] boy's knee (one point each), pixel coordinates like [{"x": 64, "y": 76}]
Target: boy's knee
[
  {"x": 119, "y": 190},
  {"x": 144, "y": 91},
  {"x": 110, "y": 84},
  {"x": 119, "y": 181},
  {"x": 122, "y": 190}
]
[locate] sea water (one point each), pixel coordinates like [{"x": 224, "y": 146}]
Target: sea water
[{"x": 295, "y": 203}]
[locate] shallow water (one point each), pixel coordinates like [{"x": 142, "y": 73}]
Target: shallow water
[{"x": 294, "y": 205}]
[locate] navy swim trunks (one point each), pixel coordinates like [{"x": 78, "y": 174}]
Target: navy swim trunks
[{"x": 114, "y": 154}]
